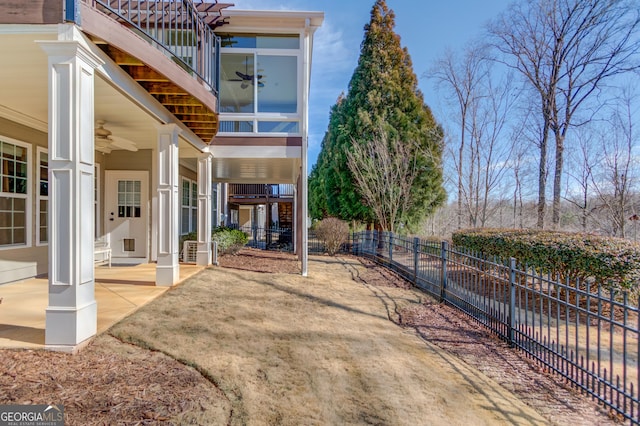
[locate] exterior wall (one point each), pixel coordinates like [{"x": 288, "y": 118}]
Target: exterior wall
[
  {"x": 188, "y": 173},
  {"x": 245, "y": 216},
  {"x": 127, "y": 160},
  {"x": 37, "y": 12}
]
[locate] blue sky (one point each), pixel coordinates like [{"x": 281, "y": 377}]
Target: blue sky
[{"x": 427, "y": 28}]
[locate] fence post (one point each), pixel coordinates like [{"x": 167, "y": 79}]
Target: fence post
[
  {"x": 353, "y": 244},
  {"x": 512, "y": 300},
  {"x": 390, "y": 248},
  {"x": 443, "y": 283},
  {"x": 416, "y": 257},
  {"x": 215, "y": 253}
]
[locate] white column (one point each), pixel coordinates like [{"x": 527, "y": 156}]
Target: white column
[
  {"x": 304, "y": 187},
  {"x": 224, "y": 204},
  {"x": 167, "y": 268},
  {"x": 71, "y": 316},
  {"x": 203, "y": 256}
]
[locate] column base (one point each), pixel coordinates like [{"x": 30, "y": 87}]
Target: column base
[
  {"x": 167, "y": 275},
  {"x": 67, "y": 327},
  {"x": 203, "y": 255}
]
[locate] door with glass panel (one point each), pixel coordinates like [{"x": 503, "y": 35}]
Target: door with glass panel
[{"x": 126, "y": 213}]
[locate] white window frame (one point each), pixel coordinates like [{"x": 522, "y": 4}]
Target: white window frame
[
  {"x": 96, "y": 204},
  {"x": 39, "y": 151},
  {"x": 193, "y": 205},
  {"x": 27, "y": 197},
  {"x": 256, "y": 117},
  {"x": 215, "y": 205}
]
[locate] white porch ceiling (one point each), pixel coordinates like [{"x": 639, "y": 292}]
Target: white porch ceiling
[{"x": 23, "y": 98}]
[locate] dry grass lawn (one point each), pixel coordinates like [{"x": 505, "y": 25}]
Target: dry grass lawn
[
  {"x": 289, "y": 350},
  {"x": 351, "y": 344}
]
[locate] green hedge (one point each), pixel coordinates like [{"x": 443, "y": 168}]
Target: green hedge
[
  {"x": 614, "y": 262},
  {"x": 230, "y": 241}
]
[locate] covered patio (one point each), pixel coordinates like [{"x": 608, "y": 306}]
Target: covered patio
[{"x": 119, "y": 291}]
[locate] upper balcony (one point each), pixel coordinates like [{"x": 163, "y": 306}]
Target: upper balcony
[
  {"x": 260, "y": 193},
  {"x": 183, "y": 32},
  {"x": 167, "y": 46}
]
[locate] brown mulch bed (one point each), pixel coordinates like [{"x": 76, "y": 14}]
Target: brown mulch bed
[
  {"x": 256, "y": 260},
  {"x": 100, "y": 385}
]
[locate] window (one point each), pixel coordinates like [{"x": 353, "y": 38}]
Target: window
[
  {"x": 237, "y": 81},
  {"x": 259, "y": 83},
  {"x": 14, "y": 193},
  {"x": 271, "y": 87},
  {"x": 42, "y": 231},
  {"x": 189, "y": 207},
  {"x": 96, "y": 199},
  {"x": 129, "y": 198},
  {"x": 214, "y": 205},
  {"x": 278, "y": 127},
  {"x": 277, "y": 84},
  {"x": 260, "y": 41}
]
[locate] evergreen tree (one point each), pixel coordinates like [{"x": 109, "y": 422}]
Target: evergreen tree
[{"x": 383, "y": 94}]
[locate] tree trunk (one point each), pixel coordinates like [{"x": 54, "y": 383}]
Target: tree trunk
[
  {"x": 460, "y": 155},
  {"x": 542, "y": 176},
  {"x": 557, "y": 179}
]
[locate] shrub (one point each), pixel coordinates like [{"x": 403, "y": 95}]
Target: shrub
[
  {"x": 230, "y": 241},
  {"x": 611, "y": 261},
  {"x": 332, "y": 232},
  {"x": 191, "y": 236}
]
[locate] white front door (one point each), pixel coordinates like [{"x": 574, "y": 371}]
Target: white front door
[{"x": 126, "y": 213}]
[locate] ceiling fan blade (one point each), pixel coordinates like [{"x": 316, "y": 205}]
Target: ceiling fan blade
[
  {"x": 101, "y": 142},
  {"x": 123, "y": 143},
  {"x": 103, "y": 149}
]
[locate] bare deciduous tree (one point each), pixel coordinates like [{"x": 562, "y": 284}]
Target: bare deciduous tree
[
  {"x": 460, "y": 78},
  {"x": 566, "y": 50},
  {"x": 580, "y": 175},
  {"x": 384, "y": 171},
  {"x": 617, "y": 170}
]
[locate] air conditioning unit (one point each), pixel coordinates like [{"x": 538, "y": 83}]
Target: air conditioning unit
[{"x": 189, "y": 251}]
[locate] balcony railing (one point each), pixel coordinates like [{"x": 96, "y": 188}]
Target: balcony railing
[
  {"x": 249, "y": 191},
  {"x": 173, "y": 26}
]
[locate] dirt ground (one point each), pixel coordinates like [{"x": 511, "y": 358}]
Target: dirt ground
[{"x": 351, "y": 344}]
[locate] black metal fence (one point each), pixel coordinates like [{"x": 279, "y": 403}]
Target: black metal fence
[
  {"x": 274, "y": 238},
  {"x": 581, "y": 330}
]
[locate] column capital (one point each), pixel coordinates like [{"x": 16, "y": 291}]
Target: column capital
[
  {"x": 70, "y": 49},
  {"x": 168, "y": 128}
]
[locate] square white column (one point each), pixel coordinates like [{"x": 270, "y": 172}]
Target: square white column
[
  {"x": 203, "y": 255},
  {"x": 168, "y": 268},
  {"x": 71, "y": 316}
]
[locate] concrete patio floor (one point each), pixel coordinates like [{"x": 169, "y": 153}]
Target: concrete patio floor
[{"x": 119, "y": 291}]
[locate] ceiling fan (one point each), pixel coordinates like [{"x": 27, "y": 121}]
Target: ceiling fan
[
  {"x": 248, "y": 78},
  {"x": 105, "y": 142}
]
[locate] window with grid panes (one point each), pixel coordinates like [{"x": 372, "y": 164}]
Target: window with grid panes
[
  {"x": 14, "y": 191},
  {"x": 43, "y": 196},
  {"x": 189, "y": 206}
]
